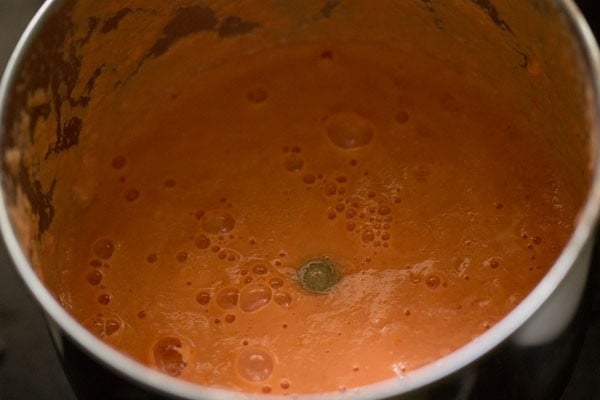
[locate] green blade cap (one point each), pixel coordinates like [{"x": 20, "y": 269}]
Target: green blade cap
[{"x": 318, "y": 276}]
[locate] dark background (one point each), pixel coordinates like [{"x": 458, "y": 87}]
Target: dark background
[{"x": 29, "y": 367}]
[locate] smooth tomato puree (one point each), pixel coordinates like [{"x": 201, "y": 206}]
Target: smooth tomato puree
[{"x": 437, "y": 217}]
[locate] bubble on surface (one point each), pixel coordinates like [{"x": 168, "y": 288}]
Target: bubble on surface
[
  {"x": 228, "y": 254},
  {"x": 414, "y": 277},
  {"x": 260, "y": 269},
  {"x": 254, "y": 297},
  {"x": 203, "y": 297},
  {"x": 104, "y": 248},
  {"x": 103, "y": 327},
  {"x": 94, "y": 277},
  {"x": 254, "y": 364},
  {"x": 350, "y": 226},
  {"x": 118, "y": 162},
  {"x": 257, "y": 95},
  {"x": 330, "y": 189},
  {"x": 349, "y": 130},
  {"x": 491, "y": 263},
  {"x": 112, "y": 326},
  {"x": 230, "y": 318},
  {"x": 284, "y": 384},
  {"x": 104, "y": 299},
  {"x": 309, "y": 179},
  {"x": 432, "y": 281},
  {"x": 536, "y": 240},
  {"x": 276, "y": 283},
  {"x": 170, "y": 183},
  {"x": 449, "y": 102},
  {"x": 131, "y": 194},
  {"x": 217, "y": 222},
  {"x": 368, "y": 236},
  {"x": 227, "y": 298},
  {"x": 202, "y": 242},
  {"x": 182, "y": 256},
  {"x": 167, "y": 356},
  {"x": 326, "y": 55},
  {"x": 293, "y": 164},
  {"x": 152, "y": 258},
  {"x": 284, "y": 299},
  {"x": 384, "y": 210}
]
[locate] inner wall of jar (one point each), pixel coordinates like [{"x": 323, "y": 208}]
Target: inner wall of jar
[{"x": 80, "y": 64}]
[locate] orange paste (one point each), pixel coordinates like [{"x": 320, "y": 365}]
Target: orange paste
[{"x": 438, "y": 216}]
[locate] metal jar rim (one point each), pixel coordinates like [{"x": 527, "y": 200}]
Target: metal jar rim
[{"x": 419, "y": 378}]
